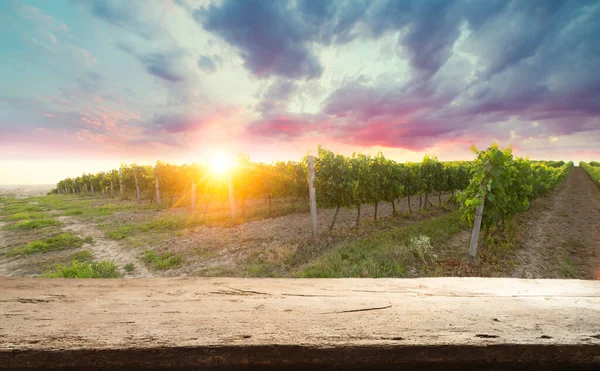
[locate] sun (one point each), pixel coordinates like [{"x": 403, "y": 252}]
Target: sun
[{"x": 221, "y": 163}]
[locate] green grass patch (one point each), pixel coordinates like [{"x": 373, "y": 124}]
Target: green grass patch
[
  {"x": 19, "y": 207},
  {"x": 162, "y": 224},
  {"x": 130, "y": 267},
  {"x": 385, "y": 254},
  {"x": 163, "y": 261},
  {"x": 28, "y": 215},
  {"x": 82, "y": 256},
  {"x": 568, "y": 268},
  {"x": 261, "y": 270},
  {"x": 74, "y": 212},
  {"x": 34, "y": 224},
  {"x": 122, "y": 232},
  {"x": 61, "y": 242},
  {"x": 84, "y": 269}
]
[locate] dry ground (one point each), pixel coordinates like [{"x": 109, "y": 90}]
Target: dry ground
[
  {"x": 559, "y": 237},
  {"x": 206, "y": 249}
]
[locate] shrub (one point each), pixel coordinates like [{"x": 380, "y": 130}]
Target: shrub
[
  {"x": 78, "y": 269},
  {"x": 167, "y": 260},
  {"x": 421, "y": 247},
  {"x": 60, "y": 242}
]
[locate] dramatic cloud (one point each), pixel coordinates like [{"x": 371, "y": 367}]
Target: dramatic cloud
[
  {"x": 474, "y": 67},
  {"x": 277, "y": 37},
  {"x": 178, "y": 76},
  {"x": 167, "y": 66},
  {"x": 172, "y": 68},
  {"x": 276, "y": 97}
]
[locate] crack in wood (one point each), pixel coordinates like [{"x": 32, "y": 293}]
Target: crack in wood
[
  {"x": 359, "y": 310},
  {"x": 244, "y": 292}
]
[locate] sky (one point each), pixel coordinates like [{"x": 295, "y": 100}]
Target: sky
[{"x": 88, "y": 84}]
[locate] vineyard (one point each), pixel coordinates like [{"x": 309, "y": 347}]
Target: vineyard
[
  {"x": 593, "y": 170},
  {"x": 340, "y": 181},
  {"x": 376, "y": 217}
]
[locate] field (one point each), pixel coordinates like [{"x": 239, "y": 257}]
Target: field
[{"x": 74, "y": 236}]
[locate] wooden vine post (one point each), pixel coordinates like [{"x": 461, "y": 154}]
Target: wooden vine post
[
  {"x": 121, "y": 181},
  {"x": 193, "y": 196},
  {"x": 231, "y": 198},
  {"x": 312, "y": 195},
  {"x": 157, "y": 185},
  {"x": 137, "y": 183},
  {"x": 477, "y": 222}
]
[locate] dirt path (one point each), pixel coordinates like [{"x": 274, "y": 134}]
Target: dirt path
[
  {"x": 7, "y": 266},
  {"x": 561, "y": 237},
  {"x": 105, "y": 249}
]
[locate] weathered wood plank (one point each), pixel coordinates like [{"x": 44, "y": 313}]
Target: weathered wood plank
[{"x": 210, "y": 321}]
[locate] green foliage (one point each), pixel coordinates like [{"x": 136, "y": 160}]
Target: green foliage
[
  {"x": 82, "y": 256},
  {"x": 34, "y": 224},
  {"x": 60, "y": 242},
  {"x": 84, "y": 269},
  {"x": 28, "y": 215},
  {"x": 386, "y": 253},
  {"x": 130, "y": 267},
  {"x": 163, "y": 261},
  {"x": 20, "y": 206},
  {"x": 122, "y": 232},
  {"x": 509, "y": 185},
  {"x": 165, "y": 223},
  {"x": 340, "y": 181},
  {"x": 334, "y": 181},
  {"x": 74, "y": 212},
  {"x": 592, "y": 170}
]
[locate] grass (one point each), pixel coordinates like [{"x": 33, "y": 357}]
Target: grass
[
  {"x": 74, "y": 212},
  {"x": 164, "y": 223},
  {"x": 61, "y": 242},
  {"x": 82, "y": 256},
  {"x": 129, "y": 267},
  {"x": 27, "y": 215},
  {"x": 568, "y": 268},
  {"x": 122, "y": 232},
  {"x": 385, "y": 254},
  {"x": 84, "y": 269},
  {"x": 34, "y": 224},
  {"x": 261, "y": 270},
  {"x": 163, "y": 261},
  {"x": 20, "y": 207}
]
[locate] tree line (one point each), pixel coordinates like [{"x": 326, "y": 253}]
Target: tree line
[{"x": 340, "y": 181}]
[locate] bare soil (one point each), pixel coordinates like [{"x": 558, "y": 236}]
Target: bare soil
[
  {"x": 560, "y": 235},
  {"x": 106, "y": 249}
]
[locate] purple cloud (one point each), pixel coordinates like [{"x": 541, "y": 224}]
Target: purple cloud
[
  {"x": 498, "y": 81},
  {"x": 276, "y": 37}
]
